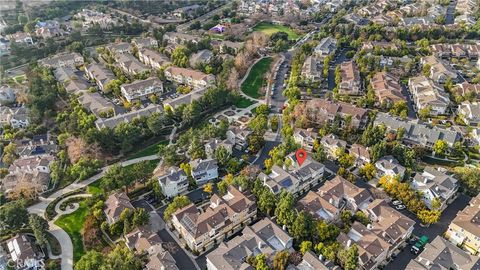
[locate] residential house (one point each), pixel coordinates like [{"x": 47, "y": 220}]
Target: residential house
[
  {"x": 119, "y": 48},
  {"x": 350, "y": 83},
  {"x": 212, "y": 145},
  {"x": 153, "y": 58},
  {"x": 66, "y": 74},
  {"x": 180, "y": 38},
  {"x": 21, "y": 38},
  {"x": 296, "y": 178},
  {"x": 389, "y": 224},
  {"x": 439, "y": 70},
  {"x": 416, "y": 133},
  {"x": 327, "y": 46},
  {"x": 200, "y": 57},
  {"x": 204, "y": 170},
  {"x": 25, "y": 253},
  {"x": 389, "y": 166},
  {"x": 186, "y": 99},
  {"x": 161, "y": 259},
  {"x": 361, "y": 154},
  {"x": 15, "y": 117},
  {"x": 239, "y": 136},
  {"x": 332, "y": 144},
  {"x": 31, "y": 164},
  {"x": 264, "y": 237},
  {"x": 441, "y": 254},
  {"x": 465, "y": 19},
  {"x": 100, "y": 74},
  {"x": 63, "y": 60},
  {"x": 130, "y": 65},
  {"x": 322, "y": 111},
  {"x": 310, "y": 261},
  {"x": 467, "y": 88},
  {"x": 173, "y": 182},
  {"x": 435, "y": 185},
  {"x": 115, "y": 204},
  {"x": 427, "y": 93},
  {"x": 470, "y": 112},
  {"x": 387, "y": 88},
  {"x": 185, "y": 12},
  {"x": 48, "y": 29},
  {"x": 77, "y": 85},
  {"x": 195, "y": 79},
  {"x": 38, "y": 145},
  {"x": 305, "y": 137},
  {"x": 225, "y": 216},
  {"x": 91, "y": 17},
  {"x": 312, "y": 69},
  {"x": 146, "y": 42},
  {"x": 372, "y": 249},
  {"x": 112, "y": 122},
  {"x": 334, "y": 196},
  {"x": 464, "y": 230},
  {"x": 140, "y": 89}
]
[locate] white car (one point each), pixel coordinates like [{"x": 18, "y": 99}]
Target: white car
[
  {"x": 396, "y": 202},
  {"x": 400, "y": 207}
]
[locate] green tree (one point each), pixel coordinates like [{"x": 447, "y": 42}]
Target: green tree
[
  {"x": 301, "y": 227},
  {"x": 92, "y": 260},
  {"x": 468, "y": 176},
  {"x": 280, "y": 260},
  {"x": 180, "y": 56},
  {"x": 177, "y": 203},
  {"x": 369, "y": 171},
  {"x": 285, "y": 209},
  {"x": 122, "y": 258},
  {"x": 305, "y": 246},
  {"x": 428, "y": 217},
  {"x": 140, "y": 217},
  {"x": 13, "y": 215},
  {"x": 349, "y": 257},
  {"x": 39, "y": 227},
  {"x": 222, "y": 155},
  {"x": 9, "y": 153},
  {"x": 440, "y": 147},
  {"x": 266, "y": 201}
]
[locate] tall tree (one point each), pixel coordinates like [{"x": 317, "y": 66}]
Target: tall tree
[{"x": 39, "y": 227}]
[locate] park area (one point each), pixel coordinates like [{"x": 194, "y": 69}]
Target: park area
[
  {"x": 72, "y": 224},
  {"x": 253, "y": 83},
  {"x": 270, "y": 29}
]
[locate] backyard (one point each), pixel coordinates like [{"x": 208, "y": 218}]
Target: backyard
[
  {"x": 72, "y": 224},
  {"x": 254, "y": 81},
  {"x": 270, "y": 29}
]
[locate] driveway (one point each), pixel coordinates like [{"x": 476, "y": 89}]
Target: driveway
[
  {"x": 182, "y": 260},
  {"x": 401, "y": 261}
]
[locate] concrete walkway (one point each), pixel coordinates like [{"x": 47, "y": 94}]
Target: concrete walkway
[{"x": 62, "y": 237}]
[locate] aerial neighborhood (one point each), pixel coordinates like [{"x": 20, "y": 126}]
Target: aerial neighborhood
[{"x": 244, "y": 134}]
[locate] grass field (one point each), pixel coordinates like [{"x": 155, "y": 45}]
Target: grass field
[
  {"x": 270, "y": 29},
  {"x": 72, "y": 224},
  {"x": 255, "y": 79},
  {"x": 242, "y": 102},
  {"x": 148, "y": 151}
]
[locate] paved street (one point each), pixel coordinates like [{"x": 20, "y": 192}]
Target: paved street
[
  {"x": 182, "y": 260},
  {"x": 410, "y": 104},
  {"x": 401, "y": 261}
]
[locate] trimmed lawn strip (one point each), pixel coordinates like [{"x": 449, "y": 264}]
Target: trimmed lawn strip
[
  {"x": 148, "y": 151},
  {"x": 255, "y": 78},
  {"x": 242, "y": 102},
  {"x": 72, "y": 224},
  {"x": 270, "y": 29}
]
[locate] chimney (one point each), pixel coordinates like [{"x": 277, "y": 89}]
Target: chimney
[
  {"x": 284, "y": 227},
  {"x": 330, "y": 201},
  {"x": 259, "y": 245},
  {"x": 240, "y": 188},
  {"x": 425, "y": 180},
  {"x": 349, "y": 243},
  {"x": 369, "y": 226},
  {"x": 284, "y": 167},
  {"x": 320, "y": 257}
]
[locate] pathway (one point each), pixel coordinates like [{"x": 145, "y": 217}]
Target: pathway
[{"x": 62, "y": 237}]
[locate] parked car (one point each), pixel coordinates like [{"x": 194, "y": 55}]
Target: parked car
[
  {"x": 400, "y": 207},
  {"x": 396, "y": 202}
]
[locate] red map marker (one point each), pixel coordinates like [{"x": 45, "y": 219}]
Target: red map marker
[{"x": 301, "y": 156}]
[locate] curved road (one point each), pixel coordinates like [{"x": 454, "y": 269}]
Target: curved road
[{"x": 62, "y": 237}]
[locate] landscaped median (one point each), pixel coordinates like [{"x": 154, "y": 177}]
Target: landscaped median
[{"x": 256, "y": 77}]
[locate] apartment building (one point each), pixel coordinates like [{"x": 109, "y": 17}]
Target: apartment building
[
  {"x": 226, "y": 215},
  {"x": 332, "y": 144},
  {"x": 470, "y": 112},
  {"x": 140, "y": 89},
  {"x": 322, "y": 111},
  {"x": 100, "y": 74},
  {"x": 262, "y": 237},
  {"x": 350, "y": 83},
  {"x": 387, "y": 88},
  {"x": 179, "y": 38},
  {"x": 306, "y": 138},
  {"x": 416, "y": 133},
  {"x": 439, "y": 70},
  {"x": 130, "y": 65},
  {"x": 195, "y": 79},
  {"x": 145, "y": 42},
  {"x": 62, "y": 60},
  {"x": 312, "y": 69},
  {"x": 427, "y": 93},
  {"x": 327, "y": 46},
  {"x": 119, "y": 48},
  {"x": 464, "y": 230},
  {"x": 389, "y": 166},
  {"x": 204, "y": 170},
  {"x": 295, "y": 178},
  {"x": 239, "y": 136},
  {"x": 112, "y": 122},
  {"x": 441, "y": 254},
  {"x": 435, "y": 185},
  {"x": 153, "y": 58},
  {"x": 334, "y": 196},
  {"x": 361, "y": 154}
]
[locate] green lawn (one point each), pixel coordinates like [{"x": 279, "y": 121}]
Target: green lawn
[
  {"x": 148, "y": 151},
  {"x": 94, "y": 188},
  {"x": 242, "y": 102},
  {"x": 73, "y": 224},
  {"x": 270, "y": 29},
  {"x": 255, "y": 79}
]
